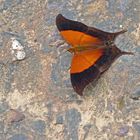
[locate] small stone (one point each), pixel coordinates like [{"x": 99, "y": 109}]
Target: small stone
[
  {"x": 72, "y": 118},
  {"x": 123, "y": 131},
  {"x": 16, "y": 45},
  {"x": 1, "y": 46},
  {"x": 1, "y": 127},
  {"x": 136, "y": 94},
  {"x": 14, "y": 116},
  {"x": 7, "y": 4},
  {"x": 19, "y": 137},
  {"x": 121, "y": 26},
  {"x": 87, "y": 1},
  {"x": 10, "y": 77},
  {"x": 20, "y": 55},
  {"x": 86, "y": 129},
  {"x": 39, "y": 126},
  {"x": 3, "y": 107},
  {"x": 19, "y": 1},
  {"x": 17, "y": 50},
  {"x": 136, "y": 125},
  {"x": 59, "y": 119}
]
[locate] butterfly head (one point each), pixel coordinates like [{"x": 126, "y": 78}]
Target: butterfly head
[
  {"x": 109, "y": 43},
  {"x": 110, "y": 38}
]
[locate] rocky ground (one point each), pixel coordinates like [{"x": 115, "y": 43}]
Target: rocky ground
[{"x": 37, "y": 101}]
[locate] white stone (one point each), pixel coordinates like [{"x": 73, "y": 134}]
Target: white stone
[
  {"x": 16, "y": 45},
  {"x": 17, "y": 50},
  {"x": 20, "y": 55}
]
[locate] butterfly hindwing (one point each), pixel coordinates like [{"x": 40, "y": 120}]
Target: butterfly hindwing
[
  {"x": 83, "y": 69},
  {"x": 87, "y": 66}
]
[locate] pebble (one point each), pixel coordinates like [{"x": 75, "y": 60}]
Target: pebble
[
  {"x": 19, "y": 137},
  {"x": 1, "y": 127},
  {"x": 39, "y": 126},
  {"x": 3, "y": 107},
  {"x": 72, "y": 118},
  {"x": 136, "y": 94},
  {"x": 123, "y": 131},
  {"x": 136, "y": 125},
  {"x": 59, "y": 119},
  {"x": 17, "y": 50},
  {"x": 14, "y": 116}
]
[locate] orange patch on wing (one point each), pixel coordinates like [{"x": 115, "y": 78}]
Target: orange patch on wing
[
  {"x": 83, "y": 60},
  {"x": 76, "y": 38}
]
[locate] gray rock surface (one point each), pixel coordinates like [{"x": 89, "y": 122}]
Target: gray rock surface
[{"x": 38, "y": 85}]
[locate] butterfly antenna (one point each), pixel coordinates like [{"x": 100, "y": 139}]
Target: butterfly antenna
[
  {"x": 127, "y": 53},
  {"x": 120, "y": 32}
]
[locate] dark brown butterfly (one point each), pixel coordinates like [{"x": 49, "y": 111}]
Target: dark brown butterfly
[{"x": 94, "y": 51}]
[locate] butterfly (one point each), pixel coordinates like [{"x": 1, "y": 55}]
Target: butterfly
[{"x": 93, "y": 51}]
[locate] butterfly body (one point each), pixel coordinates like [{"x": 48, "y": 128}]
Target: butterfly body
[{"x": 93, "y": 51}]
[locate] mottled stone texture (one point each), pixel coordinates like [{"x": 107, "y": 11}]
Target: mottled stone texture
[{"x": 38, "y": 87}]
